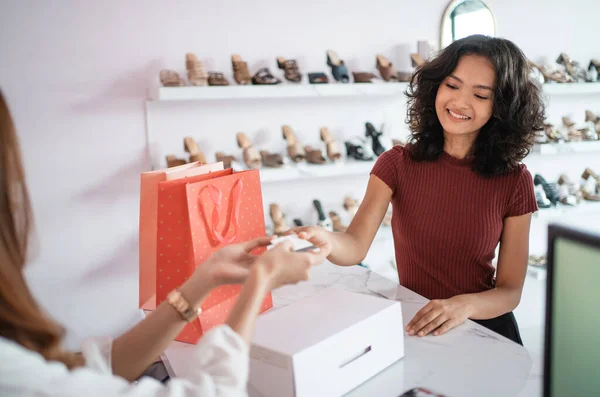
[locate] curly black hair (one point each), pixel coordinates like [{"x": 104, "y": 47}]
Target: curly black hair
[{"x": 517, "y": 112}]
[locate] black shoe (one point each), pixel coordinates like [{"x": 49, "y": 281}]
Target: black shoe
[
  {"x": 372, "y": 133},
  {"x": 550, "y": 189},
  {"x": 356, "y": 149}
]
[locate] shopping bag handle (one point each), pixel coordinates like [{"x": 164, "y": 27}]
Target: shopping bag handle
[{"x": 216, "y": 197}]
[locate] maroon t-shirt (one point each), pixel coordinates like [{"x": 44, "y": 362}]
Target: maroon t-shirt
[{"x": 447, "y": 220}]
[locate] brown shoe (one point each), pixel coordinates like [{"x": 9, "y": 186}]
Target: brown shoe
[
  {"x": 333, "y": 150},
  {"x": 385, "y": 67},
  {"x": 226, "y": 159},
  {"x": 170, "y": 78},
  {"x": 350, "y": 205},
  {"x": 279, "y": 225},
  {"x": 338, "y": 226},
  {"x": 363, "y": 77},
  {"x": 173, "y": 161},
  {"x": 416, "y": 59},
  {"x": 251, "y": 154},
  {"x": 240, "y": 70},
  {"x": 191, "y": 147},
  {"x": 314, "y": 156},
  {"x": 271, "y": 159},
  {"x": 217, "y": 79},
  {"x": 197, "y": 76},
  {"x": 294, "y": 149}
]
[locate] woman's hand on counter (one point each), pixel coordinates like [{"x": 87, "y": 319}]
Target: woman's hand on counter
[{"x": 440, "y": 315}]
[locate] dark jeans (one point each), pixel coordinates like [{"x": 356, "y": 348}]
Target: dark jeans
[{"x": 505, "y": 325}]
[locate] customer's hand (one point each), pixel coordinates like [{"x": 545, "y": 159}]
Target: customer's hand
[
  {"x": 230, "y": 264},
  {"x": 440, "y": 316},
  {"x": 317, "y": 235},
  {"x": 282, "y": 265}
]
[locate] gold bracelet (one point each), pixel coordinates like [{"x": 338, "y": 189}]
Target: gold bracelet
[{"x": 178, "y": 302}]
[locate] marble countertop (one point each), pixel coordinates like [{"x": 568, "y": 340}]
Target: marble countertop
[{"x": 470, "y": 360}]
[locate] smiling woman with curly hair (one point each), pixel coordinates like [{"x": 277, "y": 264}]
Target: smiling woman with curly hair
[{"x": 458, "y": 189}]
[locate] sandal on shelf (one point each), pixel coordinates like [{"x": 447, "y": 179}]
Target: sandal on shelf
[
  {"x": 217, "y": 79},
  {"x": 594, "y": 69},
  {"x": 357, "y": 149},
  {"x": 549, "y": 188},
  {"x": 416, "y": 59},
  {"x": 540, "y": 197},
  {"x": 351, "y": 205},
  {"x": 333, "y": 150},
  {"x": 251, "y": 155},
  {"x": 590, "y": 188},
  {"x": 338, "y": 67},
  {"x": 569, "y": 189},
  {"x": 225, "y": 159},
  {"x": 318, "y": 78},
  {"x": 278, "y": 218},
  {"x": 594, "y": 122},
  {"x": 294, "y": 149},
  {"x": 298, "y": 222},
  {"x": 314, "y": 156},
  {"x": 386, "y": 69},
  {"x": 404, "y": 77},
  {"x": 371, "y": 132},
  {"x": 197, "y": 76},
  {"x": 170, "y": 78},
  {"x": 552, "y": 134},
  {"x": 338, "y": 226},
  {"x": 264, "y": 77},
  {"x": 273, "y": 160},
  {"x": 364, "y": 77},
  {"x": 191, "y": 147},
  {"x": 240, "y": 70},
  {"x": 173, "y": 161},
  {"x": 290, "y": 69}
]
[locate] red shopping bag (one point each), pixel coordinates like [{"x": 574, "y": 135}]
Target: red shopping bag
[{"x": 196, "y": 217}]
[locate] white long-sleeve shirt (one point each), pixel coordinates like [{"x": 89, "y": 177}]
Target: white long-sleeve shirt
[{"x": 219, "y": 367}]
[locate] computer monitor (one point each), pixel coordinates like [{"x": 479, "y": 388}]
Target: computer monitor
[{"x": 572, "y": 340}]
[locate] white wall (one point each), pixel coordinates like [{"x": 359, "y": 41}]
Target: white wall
[{"x": 75, "y": 74}]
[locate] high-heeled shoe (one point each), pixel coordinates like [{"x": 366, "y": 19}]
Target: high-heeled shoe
[
  {"x": 294, "y": 149},
  {"x": 314, "y": 156},
  {"x": 416, "y": 59},
  {"x": 191, "y": 147},
  {"x": 358, "y": 149},
  {"x": 371, "y": 132},
  {"x": 553, "y": 134},
  {"x": 386, "y": 69},
  {"x": 549, "y": 188},
  {"x": 338, "y": 226},
  {"x": 556, "y": 76},
  {"x": 197, "y": 76},
  {"x": 251, "y": 154},
  {"x": 225, "y": 158},
  {"x": 240, "y": 70},
  {"x": 594, "y": 69},
  {"x": 333, "y": 150},
  {"x": 173, "y": 161},
  {"x": 338, "y": 67},
  {"x": 541, "y": 198},
  {"x": 278, "y": 218},
  {"x": 590, "y": 185},
  {"x": 594, "y": 122},
  {"x": 568, "y": 188}
]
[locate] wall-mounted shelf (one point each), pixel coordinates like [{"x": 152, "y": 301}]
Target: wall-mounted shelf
[
  {"x": 278, "y": 91},
  {"x": 585, "y": 207},
  {"x": 294, "y": 172},
  {"x": 566, "y": 148},
  {"x": 571, "y": 88}
]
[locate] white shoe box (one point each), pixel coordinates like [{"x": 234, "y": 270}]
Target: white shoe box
[{"x": 325, "y": 345}]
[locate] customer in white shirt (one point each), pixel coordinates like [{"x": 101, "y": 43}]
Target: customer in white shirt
[{"x": 32, "y": 362}]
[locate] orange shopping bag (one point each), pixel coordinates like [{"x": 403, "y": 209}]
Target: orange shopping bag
[
  {"x": 196, "y": 217},
  {"x": 148, "y": 220}
]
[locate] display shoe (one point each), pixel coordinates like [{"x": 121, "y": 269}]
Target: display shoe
[
  {"x": 572, "y": 188},
  {"x": 338, "y": 226},
  {"x": 251, "y": 154},
  {"x": 278, "y": 218},
  {"x": 191, "y": 147},
  {"x": 364, "y": 77},
  {"x": 338, "y": 67},
  {"x": 553, "y": 134},
  {"x": 298, "y": 222},
  {"x": 264, "y": 77},
  {"x": 333, "y": 150},
  {"x": 225, "y": 158},
  {"x": 217, "y": 79},
  {"x": 173, "y": 161},
  {"x": 358, "y": 149},
  {"x": 594, "y": 69},
  {"x": 549, "y": 188},
  {"x": 371, "y": 132},
  {"x": 554, "y": 76},
  {"x": 540, "y": 197},
  {"x": 197, "y": 76},
  {"x": 386, "y": 69},
  {"x": 290, "y": 69},
  {"x": 416, "y": 60},
  {"x": 295, "y": 150},
  {"x": 314, "y": 156},
  {"x": 593, "y": 122},
  {"x": 240, "y": 70},
  {"x": 572, "y": 67},
  {"x": 351, "y": 205},
  {"x": 170, "y": 78},
  {"x": 590, "y": 185},
  {"x": 587, "y": 173},
  {"x": 273, "y": 160},
  {"x": 318, "y": 78}
]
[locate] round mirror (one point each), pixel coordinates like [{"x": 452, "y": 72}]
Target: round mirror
[{"x": 466, "y": 17}]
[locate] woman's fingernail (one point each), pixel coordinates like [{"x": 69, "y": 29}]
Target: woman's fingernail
[{"x": 420, "y": 333}]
